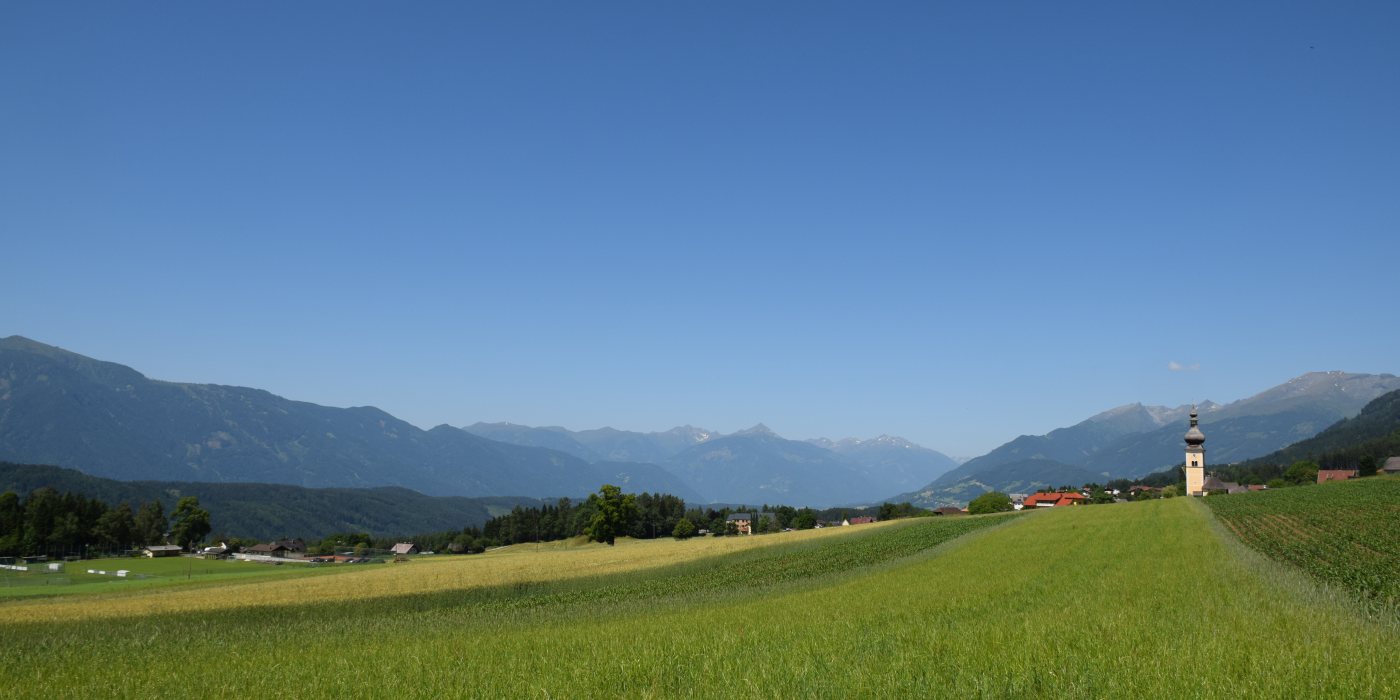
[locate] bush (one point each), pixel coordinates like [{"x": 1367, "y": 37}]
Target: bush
[{"x": 990, "y": 502}]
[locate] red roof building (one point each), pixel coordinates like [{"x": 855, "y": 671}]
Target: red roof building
[
  {"x": 1335, "y": 475},
  {"x": 1050, "y": 500}
]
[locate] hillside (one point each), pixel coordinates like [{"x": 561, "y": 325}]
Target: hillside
[
  {"x": 1375, "y": 432},
  {"x": 58, "y": 407},
  {"x": 524, "y": 435},
  {"x": 266, "y": 511},
  {"x": 1022, "y": 476}
]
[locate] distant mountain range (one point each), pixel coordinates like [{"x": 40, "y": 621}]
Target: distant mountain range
[
  {"x": 751, "y": 466},
  {"x": 108, "y": 420},
  {"x": 1133, "y": 440},
  {"x": 58, "y": 407},
  {"x": 602, "y": 444}
]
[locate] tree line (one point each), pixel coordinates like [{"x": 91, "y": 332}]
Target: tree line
[
  {"x": 70, "y": 524},
  {"x": 609, "y": 514},
  {"x": 53, "y": 524}
]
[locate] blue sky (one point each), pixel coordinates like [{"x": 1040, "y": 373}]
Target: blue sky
[{"x": 956, "y": 222}]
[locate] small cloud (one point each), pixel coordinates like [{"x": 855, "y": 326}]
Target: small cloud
[{"x": 1178, "y": 367}]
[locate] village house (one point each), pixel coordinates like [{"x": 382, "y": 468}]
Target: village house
[
  {"x": 1391, "y": 466},
  {"x": 404, "y": 549},
  {"x": 161, "y": 550},
  {"x": 1324, "y": 475},
  {"x": 294, "y": 546},
  {"x": 948, "y": 510},
  {"x": 1050, "y": 500},
  {"x": 744, "y": 522},
  {"x": 862, "y": 520}
]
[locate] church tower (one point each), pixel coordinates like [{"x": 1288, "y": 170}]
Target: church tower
[{"x": 1195, "y": 459}]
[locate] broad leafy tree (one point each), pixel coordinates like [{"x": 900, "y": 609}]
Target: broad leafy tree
[
  {"x": 614, "y": 514},
  {"x": 150, "y": 524},
  {"x": 190, "y": 523}
]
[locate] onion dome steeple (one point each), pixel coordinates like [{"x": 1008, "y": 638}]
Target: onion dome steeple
[{"x": 1194, "y": 436}]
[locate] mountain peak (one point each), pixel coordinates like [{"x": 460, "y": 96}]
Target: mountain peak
[
  {"x": 19, "y": 342},
  {"x": 893, "y": 441},
  {"x": 109, "y": 373},
  {"x": 758, "y": 429},
  {"x": 692, "y": 433}
]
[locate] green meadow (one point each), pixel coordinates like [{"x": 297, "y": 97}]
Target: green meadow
[
  {"x": 142, "y": 574},
  {"x": 1152, "y": 599}
]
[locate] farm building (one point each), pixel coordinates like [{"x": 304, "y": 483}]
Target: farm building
[
  {"x": 1213, "y": 483},
  {"x": 294, "y": 546},
  {"x": 1391, "y": 466},
  {"x": 404, "y": 548},
  {"x": 161, "y": 550},
  {"x": 271, "y": 549},
  {"x": 1324, "y": 475}
]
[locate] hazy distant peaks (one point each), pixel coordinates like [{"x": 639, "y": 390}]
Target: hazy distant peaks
[
  {"x": 758, "y": 429},
  {"x": 693, "y": 433},
  {"x": 850, "y": 443}
]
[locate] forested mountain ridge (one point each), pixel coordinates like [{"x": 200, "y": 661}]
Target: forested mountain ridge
[{"x": 1374, "y": 433}]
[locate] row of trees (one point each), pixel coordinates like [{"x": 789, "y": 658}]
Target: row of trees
[
  {"x": 68, "y": 524},
  {"x": 610, "y": 513}
]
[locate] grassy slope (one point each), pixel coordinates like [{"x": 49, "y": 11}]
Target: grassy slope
[{"x": 1137, "y": 600}]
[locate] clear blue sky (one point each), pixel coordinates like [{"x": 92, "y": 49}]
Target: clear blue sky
[{"x": 956, "y": 222}]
